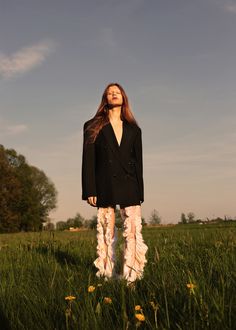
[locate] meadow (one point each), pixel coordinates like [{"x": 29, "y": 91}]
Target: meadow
[{"x": 47, "y": 281}]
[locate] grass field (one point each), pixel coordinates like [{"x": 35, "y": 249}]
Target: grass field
[{"x": 189, "y": 281}]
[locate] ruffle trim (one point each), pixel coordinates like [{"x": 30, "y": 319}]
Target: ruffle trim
[
  {"x": 134, "y": 254},
  {"x": 105, "y": 244}
]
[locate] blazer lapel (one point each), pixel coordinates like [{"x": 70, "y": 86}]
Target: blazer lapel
[{"x": 109, "y": 134}]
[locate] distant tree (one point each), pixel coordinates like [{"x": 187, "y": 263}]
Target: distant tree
[
  {"x": 93, "y": 222},
  {"x": 219, "y": 219},
  {"x": 38, "y": 197},
  {"x": 10, "y": 191},
  {"x": 143, "y": 222},
  {"x": 229, "y": 218},
  {"x": 29, "y": 194},
  {"x": 76, "y": 222},
  {"x": 191, "y": 217},
  {"x": 155, "y": 218},
  {"x": 86, "y": 223},
  {"x": 183, "y": 219},
  {"x": 61, "y": 225},
  {"x": 49, "y": 225},
  {"x": 45, "y": 191}
]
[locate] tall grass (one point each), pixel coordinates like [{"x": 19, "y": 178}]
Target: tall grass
[{"x": 38, "y": 270}]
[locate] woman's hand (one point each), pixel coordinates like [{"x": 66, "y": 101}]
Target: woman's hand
[{"x": 92, "y": 200}]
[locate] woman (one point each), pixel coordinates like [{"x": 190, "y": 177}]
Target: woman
[{"x": 112, "y": 174}]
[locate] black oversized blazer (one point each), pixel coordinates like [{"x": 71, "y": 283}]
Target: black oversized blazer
[{"x": 113, "y": 172}]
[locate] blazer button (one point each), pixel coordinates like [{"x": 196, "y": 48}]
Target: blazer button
[{"x": 114, "y": 175}]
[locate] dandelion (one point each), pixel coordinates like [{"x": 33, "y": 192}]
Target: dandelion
[
  {"x": 191, "y": 287},
  {"x": 138, "y": 308},
  {"x": 70, "y": 298},
  {"x": 140, "y": 317},
  {"x": 107, "y": 300},
  {"x": 68, "y": 311},
  {"x": 91, "y": 288}
]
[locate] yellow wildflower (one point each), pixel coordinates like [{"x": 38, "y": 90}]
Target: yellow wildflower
[
  {"x": 70, "y": 298},
  {"x": 91, "y": 288},
  {"x": 137, "y": 308},
  {"x": 191, "y": 286},
  {"x": 107, "y": 300},
  {"x": 140, "y": 317}
]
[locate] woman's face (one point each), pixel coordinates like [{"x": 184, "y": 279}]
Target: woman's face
[{"x": 114, "y": 96}]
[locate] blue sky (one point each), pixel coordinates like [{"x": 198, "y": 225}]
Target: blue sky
[{"x": 176, "y": 61}]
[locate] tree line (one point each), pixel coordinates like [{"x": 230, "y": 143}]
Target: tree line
[
  {"x": 190, "y": 218},
  {"x": 27, "y": 195},
  {"x": 80, "y": 222}
]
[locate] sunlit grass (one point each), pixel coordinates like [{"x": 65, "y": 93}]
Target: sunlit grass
[{"x": 47, "y": 281}]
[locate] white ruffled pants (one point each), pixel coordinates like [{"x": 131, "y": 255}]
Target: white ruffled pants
[{"x": 135, "y": 248}]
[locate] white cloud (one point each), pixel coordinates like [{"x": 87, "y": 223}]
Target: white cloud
[
  {"x": 24, "y": 59},
  {"x": 226, "y": 5},
  {"x": 16, "y": 129},
  {"x": 230, "y": 7},
  {"x": 7, "y": 129}
]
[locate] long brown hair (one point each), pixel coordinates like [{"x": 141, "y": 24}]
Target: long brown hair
[{"x": 101, "y": 117}]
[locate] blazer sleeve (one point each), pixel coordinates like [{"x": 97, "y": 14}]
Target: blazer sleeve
[
  {"x": 88, "y": 167},
  {"x": 139, "y": 163}
]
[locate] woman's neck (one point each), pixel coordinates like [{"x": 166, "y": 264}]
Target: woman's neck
[{"x": 114, "y": 115}]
